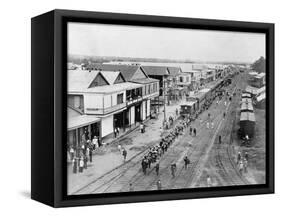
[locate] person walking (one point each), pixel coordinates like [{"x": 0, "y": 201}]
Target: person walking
[
  {"x": 186, "y": 162},
  {"x": 190, "y": 130},
  {"x": 119, "y": 148},
  {"x": 85, "y": 162},
  {"x": 131, "y": 188},
  {"x": 124, "y": 153},
  {"x": 246, "y": 156},
  {"x": 173, "y": 169},
  {"x": 245, "y": 165},
  {"x": 157, "y": 168},
  {"x": 219, "y": 139},
  {"x": 95, "y": 142},
  {"x": 74, "y": 164},
  {"x": 209, "y": 181},
  {"x": 81, "y": 165},
  {"x": 159, "y": 185},
  {"x": 239, "y": 157},
  {"x": 194, "y": 131},
  {"x": 142, "y": 128},
  {"x": 71, "y": 151},
  {"x": 241, "y": 167},
  {"x": 144, "y": 166},
  {"x": 91, "y": 154}
]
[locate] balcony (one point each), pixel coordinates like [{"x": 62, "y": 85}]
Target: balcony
[{"x": 104, "y": 111}]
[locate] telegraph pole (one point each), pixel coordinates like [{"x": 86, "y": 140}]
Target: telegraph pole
[{"x": 164, "y": 95}]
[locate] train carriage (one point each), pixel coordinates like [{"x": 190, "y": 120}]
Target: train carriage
[
  {"x": 188, "y": 109},
  {"x": 246, "y": 95},
  {"x": 246, "y": 100},
  {"x": 247, "y": 107},
  {"x": 247, "y": 124}
]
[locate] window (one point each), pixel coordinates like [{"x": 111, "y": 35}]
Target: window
[
  {"x": 76, "y": 101},
  {"x": 120, "y": 98}
]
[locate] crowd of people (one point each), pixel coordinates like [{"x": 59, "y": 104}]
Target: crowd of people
[
  {"x": 154, "y": 153},
  {"x": 82, "y": 154}
]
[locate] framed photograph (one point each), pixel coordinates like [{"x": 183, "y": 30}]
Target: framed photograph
[{"x": 134, "y": 108}]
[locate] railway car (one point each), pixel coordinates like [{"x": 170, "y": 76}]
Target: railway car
[
  {"x": 247, "y": 107},
  {"x": 247, "y": 124},
  {"x": 246, "y": 95},
  {"x": 188, "y": 109},
  {"x": 246, "y": 100}
]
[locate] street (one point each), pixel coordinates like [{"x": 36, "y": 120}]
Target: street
[{"x": 207, "y": 157}]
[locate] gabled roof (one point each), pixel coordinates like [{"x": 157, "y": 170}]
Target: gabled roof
[
  {"x": 156, "y": 70},
  {"x": 127, "y": 71},
  {"x": 145, "y": 81},
  {"x": 79, "y": 80},
  {"x": 111, "y": 76},
  {"x": 174, "y": 71}
]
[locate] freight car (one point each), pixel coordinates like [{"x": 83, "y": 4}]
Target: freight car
[
  {"x": 247, "y": 107},
  {"x": 246, "y": 95},
  {"x": 246, "y": 100},
  {"x": 188, "y": 109},
  {"x": 247, "y": 124}
]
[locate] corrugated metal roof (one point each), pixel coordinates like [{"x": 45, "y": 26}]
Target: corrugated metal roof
[
  {"x": 127, "y": 70},
  {"x": 145, "y": 80},
  {"x": 79, "y": 80},
  {"x": 156, "y": 70},
  {"x": 76, "y": 120},
  {"x": 247, "y": 116}
]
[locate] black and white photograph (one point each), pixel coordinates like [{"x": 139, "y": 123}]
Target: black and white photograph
[{"x": 160, "y": 108}]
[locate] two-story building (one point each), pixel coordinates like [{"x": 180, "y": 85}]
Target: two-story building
[
  {"x": 167, "y": 80},
  {"x": 148, "y": 94},
  {"x": 97, "y": 102}
]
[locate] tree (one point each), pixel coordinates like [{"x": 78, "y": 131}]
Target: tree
[{"x": 259, "y": 65}]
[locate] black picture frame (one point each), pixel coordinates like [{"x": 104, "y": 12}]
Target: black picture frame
[{"x": 49, "y": 119}]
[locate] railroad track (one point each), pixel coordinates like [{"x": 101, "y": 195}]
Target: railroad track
[
  {"x": 145, "y": 182},
  {"x": 99, "y": 185},
  {"x": 226, "y": 166},
  {"x": 148, "y": 182},
  {"x": 139, "y": 181}
]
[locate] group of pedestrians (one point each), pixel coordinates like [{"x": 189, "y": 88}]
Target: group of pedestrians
[
  {"x": 123, "y": 152},
  {"x": 82, "y": 154},
  {"x": 154, "y": 153}
]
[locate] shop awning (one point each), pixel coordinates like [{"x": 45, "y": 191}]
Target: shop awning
[{"x": 81, "y": 121}]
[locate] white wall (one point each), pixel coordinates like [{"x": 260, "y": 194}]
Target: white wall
[
  {"x": 107, "y": 101},
  {"x": 148, "y": 108},
  {"x": 132, "y": 116},
  {"x": 106, "y": 125},
  {"x": 93, "y": 101},
  {"x": 143, "y": 110},
  {"x": 15, "y": 49}
]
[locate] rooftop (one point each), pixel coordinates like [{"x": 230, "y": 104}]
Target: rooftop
[
  {"x": 79, "y": 81},
  {"x": 247, "y": 116},
  {"x": 126, "y": 70},
  {"x": 156, "y": 70},
  {"x": 145, "y": 80},
  {"x": 78, "y": 120}
]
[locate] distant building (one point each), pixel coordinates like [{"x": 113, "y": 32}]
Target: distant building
[{"x": 258, "y": 80}]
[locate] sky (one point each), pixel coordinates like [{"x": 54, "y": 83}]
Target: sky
[{"x": 168, "y": 43}]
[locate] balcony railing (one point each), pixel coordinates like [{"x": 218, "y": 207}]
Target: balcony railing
[{"x": 104, "y": 111}]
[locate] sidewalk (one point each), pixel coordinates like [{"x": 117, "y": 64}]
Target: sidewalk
[{"x": 107, "y": 158}]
